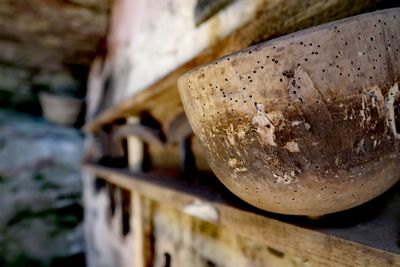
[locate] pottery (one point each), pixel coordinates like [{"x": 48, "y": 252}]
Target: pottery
[
  {"x": 306, "y": 124},
  {"x": 60, "y": 109}
]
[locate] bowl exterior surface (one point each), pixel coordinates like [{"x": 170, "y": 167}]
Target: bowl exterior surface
[{"x": 306, "y": 124}]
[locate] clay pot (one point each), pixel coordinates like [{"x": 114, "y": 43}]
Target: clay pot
[
  {"x": 60, "y": 109},
  {"x": 306, "y": 124}
]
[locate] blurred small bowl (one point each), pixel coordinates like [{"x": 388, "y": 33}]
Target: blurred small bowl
[{"x": 60, "y": 109}]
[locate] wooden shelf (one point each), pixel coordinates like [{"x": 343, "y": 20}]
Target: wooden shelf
[
  {"x": 368, "y": 235},
  {"x": 270, "y": 20},
  {"x": 159, "y": 98},
  {"x": 365, "y": 236}
]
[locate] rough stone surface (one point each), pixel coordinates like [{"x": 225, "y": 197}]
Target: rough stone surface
[
  {"x": 40, "y": 201},
  {"x": 47, "y": 38},
  {"x": 51, "y": 33}
]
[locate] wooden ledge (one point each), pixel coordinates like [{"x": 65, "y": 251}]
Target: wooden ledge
[
  {"x": 270, "y": 21},
  {"x": 149, "y": 99},
  {"x": 364, "y": 236}
]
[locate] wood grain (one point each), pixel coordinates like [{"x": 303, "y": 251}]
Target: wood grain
[
  {"x": 161, "y": 98},
  {"x": 309, "y": 241}
]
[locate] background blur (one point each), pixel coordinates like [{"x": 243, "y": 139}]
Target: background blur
[{"x": 46, "y": 47}]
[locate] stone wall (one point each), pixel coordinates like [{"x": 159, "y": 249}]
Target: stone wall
[
  {"x": 44, "y": 39},
  {"x": 40, "y": 193}
]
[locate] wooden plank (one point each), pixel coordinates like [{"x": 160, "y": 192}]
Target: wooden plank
[
  {"x": 310, "y": 240},
  {"x": 184, "y": 240},
  {"x": 142, "y": 228},
  {"x": 162, "y": 99}
]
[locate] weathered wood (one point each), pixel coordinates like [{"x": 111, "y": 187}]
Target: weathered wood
[
  {"x": 135, "y": 148},
  {"x": 166, "y": 235},
  {"x": 144, "y": 133},
  {"x": 184, "y": 240},
  {"x": 269, "y": 19},
  {"x": 142, "y": 208},
  {"x": 314, "y": 241},
  {"x": 108, "y": 223},
  {"x": 304, "y": 124}
]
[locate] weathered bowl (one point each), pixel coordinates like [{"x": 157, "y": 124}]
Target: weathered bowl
[
  {"x": 304, "y": 124},
  {"x": 60, "y": 109}
]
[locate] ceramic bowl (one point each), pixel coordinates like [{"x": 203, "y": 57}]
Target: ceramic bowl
[{"x": 308, "y": 123}]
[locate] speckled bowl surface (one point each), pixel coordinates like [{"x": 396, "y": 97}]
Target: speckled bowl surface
[{"x": 306, "y": 124}]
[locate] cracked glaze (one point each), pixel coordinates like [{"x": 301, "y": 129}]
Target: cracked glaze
[{"x": 307, "y": 123}]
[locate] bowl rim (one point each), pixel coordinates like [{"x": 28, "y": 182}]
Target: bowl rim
[{"x": 299, "y": 33}]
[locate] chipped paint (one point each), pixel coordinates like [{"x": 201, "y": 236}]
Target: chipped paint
[
  {"x": 231, "y": 139},
  {"x": 202, "y": 210},
  {"x": 360, "y": 146},
  {"x": 389, "y": 105},
  {"x": 285, "y": 179},
  {"x": 242, "y": 169},
  {"x": 346, "y": 117},
  {"x": 241, "y": 133},
  {"x": 371, "y": 99},
  {"x": 231, "y": 135},
  {"x": 365, "y": 111},
  {"x": 301, "y": 89},
  {"x": 265, "y": 126},
  {"x": 292, "y": 146},
  {"x": 232, "y": 162},
  {"x": 377, "y": 99}
]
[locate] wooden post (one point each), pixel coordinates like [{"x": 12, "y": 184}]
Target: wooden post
[
  {"x": 135, "y": 149},
  {"x": 143, "y": 254}
]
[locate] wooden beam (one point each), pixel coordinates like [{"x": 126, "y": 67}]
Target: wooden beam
[
  {"x": 313, "y": 243},
  {"x": 270, "y": 21}
]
